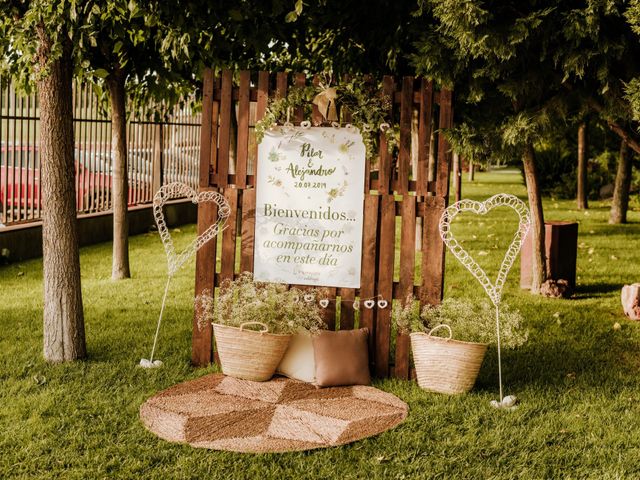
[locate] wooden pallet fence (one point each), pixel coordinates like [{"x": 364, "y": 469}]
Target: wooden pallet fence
[{"x": 396, "y": 196}]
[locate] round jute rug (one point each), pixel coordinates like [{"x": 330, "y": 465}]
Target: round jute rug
[{"x": 225, "y": 413}]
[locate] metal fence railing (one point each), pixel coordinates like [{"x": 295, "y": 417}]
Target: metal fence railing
[{"x": 158, "y": 153}]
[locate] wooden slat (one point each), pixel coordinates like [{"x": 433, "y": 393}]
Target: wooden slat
[
  {"x": 225, "y": 130},
  {"x": 368, "y": 160},
  {"x": 384, "y": 173},
  {"x": 248, "y": 230},
  {"x": 329, "y": 313},
  {"x": 424, "y": 135},
  {"x": 404, "y": 157},
  {"x": 215, "y": 117},
  {"x": 201, "y": 344},
  {"x": 228, "y": 259},
  {"x": 347, "y": 295},
  {"x": 386, "y": 259},
  {"x": 243, "y": 130},
  {"x": 298, "y": 114},
  {"x": 263, "y": 94},
  {"x": 432, "y": 252},
  {"x": 347, "y": 314},
  {"x": 407, "y": 245},
  {"x": 205, "y": 130},
  {"x": 261, "y": 108},
  {"x": 316, "y": 116},
  {"x": 407, "y": 274},
  {"x": 444, "y": 149},
  {"x": 368, "y": 272},
  {"x": 281, "y": 85}
]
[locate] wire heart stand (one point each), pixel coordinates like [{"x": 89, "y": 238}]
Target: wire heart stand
[
  {"x": 175, "y": 261},
  {"x": 493, "y": 291}
]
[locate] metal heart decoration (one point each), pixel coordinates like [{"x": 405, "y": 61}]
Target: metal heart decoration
[
  {"x": 324, "y": 303},
  {"x": 180, "y": 190},
  {"x": 482, "y": 208}
]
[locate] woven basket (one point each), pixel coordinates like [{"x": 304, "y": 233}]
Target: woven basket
[
  {"x": 249, "y": 354},
  {"x": 444, "y": 365}
]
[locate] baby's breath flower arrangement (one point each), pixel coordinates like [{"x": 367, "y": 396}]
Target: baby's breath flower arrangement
[
  {"x": 474, "y": 321},
  {"x": 470, "y": 321},
  {"x": 407, "y": 315},
  {"x": 283, "y": 310}
]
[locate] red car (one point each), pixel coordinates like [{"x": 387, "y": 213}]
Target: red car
[{"x": 20, "y": 195}]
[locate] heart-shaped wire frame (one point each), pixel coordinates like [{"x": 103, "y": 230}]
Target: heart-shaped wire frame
[
  {"x": 482, "y": 208},
  {"x": 180, "y": 190}
]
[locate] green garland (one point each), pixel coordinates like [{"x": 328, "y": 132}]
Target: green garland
[{"x": 368, "y": 106}]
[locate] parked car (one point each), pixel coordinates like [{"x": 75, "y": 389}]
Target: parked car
[{"x": 20, "y": 179}]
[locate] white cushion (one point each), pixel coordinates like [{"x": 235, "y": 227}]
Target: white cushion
[{"x": 298, "y": 361}]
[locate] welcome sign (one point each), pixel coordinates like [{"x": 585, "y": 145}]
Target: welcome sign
[{"x": 309, "y": 207}]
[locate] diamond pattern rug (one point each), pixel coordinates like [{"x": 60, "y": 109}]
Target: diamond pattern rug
[{"x": 225, "y": 413}]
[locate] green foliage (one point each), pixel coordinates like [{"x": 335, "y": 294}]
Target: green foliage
[
  {"x": 557, "y": 172},
  {"x": 519, "y": 68},
  {"x": 284, "y": 310},
  {"x": 368, "y": 106},
  {"x": 280, "y": 109},
  {"x": 370, "y": 37}
]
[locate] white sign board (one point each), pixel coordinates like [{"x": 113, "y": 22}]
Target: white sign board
[{"x": 309, "y": 207}]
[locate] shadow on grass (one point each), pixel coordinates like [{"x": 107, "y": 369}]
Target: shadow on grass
[
  {"x": 596, "y": 289},
  {"x": 565, "y": 361}
]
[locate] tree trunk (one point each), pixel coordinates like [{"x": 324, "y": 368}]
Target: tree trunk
[
  {"x": 120, "y": 260},
  {"x": 457, "y": 176},
  {"x": 63, "y": 316},
  {"x": 432, "y": 165},
  {"x": 472, "y": 170},
  {"x": 583, "y": 188},
  {"x": 620, "y": 201},
  {"x": 536, "y": 232}
]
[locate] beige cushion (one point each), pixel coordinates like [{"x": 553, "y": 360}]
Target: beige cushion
[
  {"x": 342, "y": 358},
  {"x": 298, "y": 361}
]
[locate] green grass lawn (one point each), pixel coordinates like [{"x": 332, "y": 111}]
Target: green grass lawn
[{"x": 577, "y": 377}]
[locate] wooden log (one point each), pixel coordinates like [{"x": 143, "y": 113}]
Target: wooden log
[
  {"x": 631, "y": 301},
  {"x": 561, "y": 250}
]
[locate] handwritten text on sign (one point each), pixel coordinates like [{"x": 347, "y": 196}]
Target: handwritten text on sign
[{"x": 309, "y": 205}]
